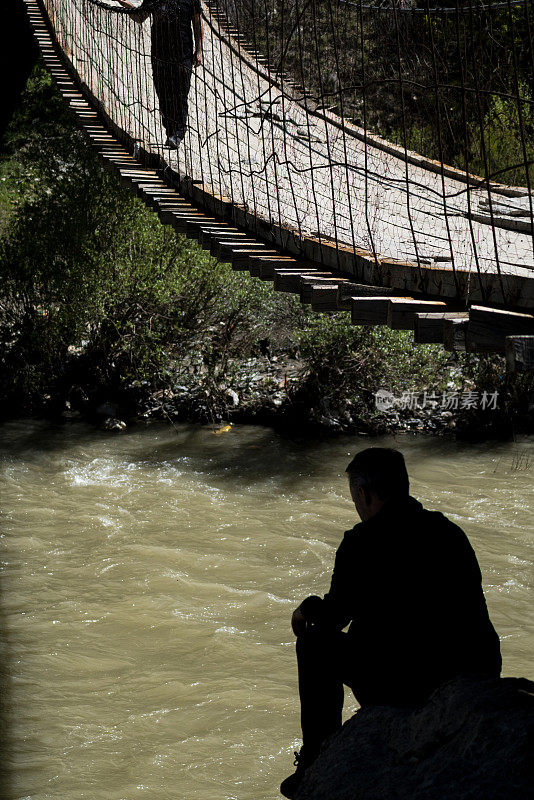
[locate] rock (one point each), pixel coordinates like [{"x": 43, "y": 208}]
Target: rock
[
  {"x": 233, "y": 396},
  {"x": 472, "y": 741},
  {"x": 113, "y": 424},
  {"x": 69, "y": 413}
]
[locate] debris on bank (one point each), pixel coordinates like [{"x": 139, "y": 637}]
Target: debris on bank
[
  {"x": 278, "y": 391},
  {"x": 262, "y": 390}
]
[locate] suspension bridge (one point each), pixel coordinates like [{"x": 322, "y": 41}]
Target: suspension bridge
[{"x": 273, "y": 176}]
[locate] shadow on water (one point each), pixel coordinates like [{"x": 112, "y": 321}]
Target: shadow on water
[
  {"x": 23, "y": 438},
  {"x": 244, "y": 455},
  {"x": 249, "y": 454},
  {"x": 246, "y": 452}
]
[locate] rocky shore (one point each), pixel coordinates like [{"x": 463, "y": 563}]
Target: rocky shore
[{"x": 267, "y": 390}]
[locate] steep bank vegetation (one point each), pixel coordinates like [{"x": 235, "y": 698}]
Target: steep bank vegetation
[{"x": 104, "y": 311}]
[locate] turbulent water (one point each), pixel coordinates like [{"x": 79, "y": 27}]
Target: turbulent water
[{"x": 148, "y": 583}]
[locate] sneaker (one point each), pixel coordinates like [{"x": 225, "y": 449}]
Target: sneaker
[{"x": 290, "y": 786}]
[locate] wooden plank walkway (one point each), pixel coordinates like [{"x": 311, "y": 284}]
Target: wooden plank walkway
[
  {"x": 478, "y": 328},
  {"x": 309, "y": 183}
]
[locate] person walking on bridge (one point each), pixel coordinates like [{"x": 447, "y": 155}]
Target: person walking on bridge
[
  {"x": 172, "y": 57},
  {"x": 408, "y": 582}
]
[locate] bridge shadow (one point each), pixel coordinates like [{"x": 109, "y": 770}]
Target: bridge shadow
[
  {"x": 252, "y": 455},
  {"x": 244, "y": 455}
]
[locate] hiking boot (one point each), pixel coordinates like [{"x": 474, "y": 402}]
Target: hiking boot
[{"x": 290, "y": 786}]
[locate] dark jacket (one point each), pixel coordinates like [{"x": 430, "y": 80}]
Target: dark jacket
[
  {"x": 172, "y": 38},
  {"x": 409, "y": 583}
]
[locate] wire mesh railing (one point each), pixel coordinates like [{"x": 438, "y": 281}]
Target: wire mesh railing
[{"x": 397, "y": 131}]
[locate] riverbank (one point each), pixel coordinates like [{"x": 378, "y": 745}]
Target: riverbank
[
  {"x": 107, "y": 315},
  {"x": 280, "y": 391}
]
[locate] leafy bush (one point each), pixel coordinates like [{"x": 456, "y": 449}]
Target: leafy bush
[{"x": 347, "y": 364}]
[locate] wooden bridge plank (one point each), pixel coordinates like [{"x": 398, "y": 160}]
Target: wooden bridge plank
[
  {"x": 429, "y": 326},
  {"x": 370, "y": 310},
  {"x": 236, "y": 252},
  {"x": 519, "y": 353},
  {"x": 273, "y": 256},
  {"x": 314, "y": 285},
  {"x": 290, "y": 280},
  {"x": 348, "y": 290},
  {"x": 211, "y": 235},
  {"x": 401, "y": 311},
  {"x": 180, "y": 220},
  {"x": 325, "y": 296},
  {"x": 263, "y": 265},
  {"x": 489, "y": 327}
]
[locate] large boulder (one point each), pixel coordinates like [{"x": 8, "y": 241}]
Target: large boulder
[{"x": 472, "y": 741}]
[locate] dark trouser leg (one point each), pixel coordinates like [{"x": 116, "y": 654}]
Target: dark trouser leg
[
  {"x": 320, "y": 666},
  {"x": 172, "y": 81},
  {"x": 186, "y": 70},
  {"x": 160, "y": 74}
]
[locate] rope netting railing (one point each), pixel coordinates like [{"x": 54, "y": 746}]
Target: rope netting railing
[{"x": 398, "y": 130}]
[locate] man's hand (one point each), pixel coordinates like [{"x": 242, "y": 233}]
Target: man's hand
[
  {"x": 136, "y": 13},
  {"x": 298, "y": 622},
  {"x": 197, "y": 58}
]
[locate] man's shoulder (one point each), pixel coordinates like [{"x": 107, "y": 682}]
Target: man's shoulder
[
  {"x": 352, "y": 533},
  {"x": 438, "y": 518},
  {"x": 352, "y": 538},
  {"x": 410, "y": 523},
  {"x": 444, "y": 537}
]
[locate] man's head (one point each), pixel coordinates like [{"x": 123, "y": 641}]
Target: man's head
[{"x": 377, "y": 475}]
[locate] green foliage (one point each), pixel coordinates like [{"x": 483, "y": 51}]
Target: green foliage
[
  {"x": 515, "y": 399},
  {"x": 86, "y": 266},
  {"x": 503, "y": 141},
  {"x": 347, "y": 364}
]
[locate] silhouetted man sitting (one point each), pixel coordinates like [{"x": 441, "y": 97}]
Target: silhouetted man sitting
[{"x": 409, "y": 583}]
